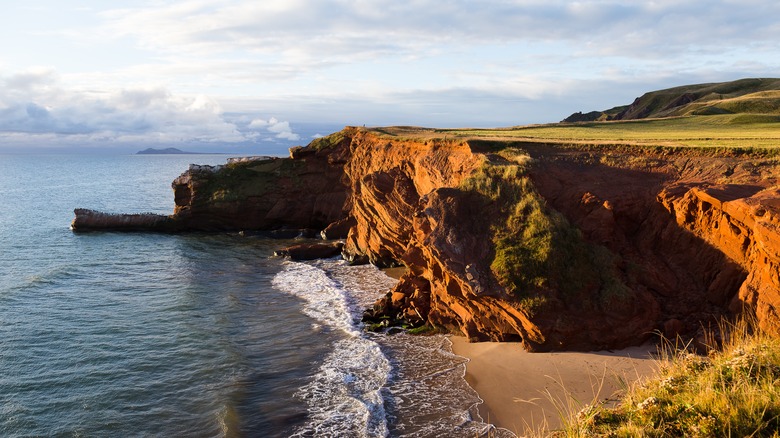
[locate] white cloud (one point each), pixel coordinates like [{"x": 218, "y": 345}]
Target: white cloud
[
  {"x": 278, "y": 129},
  {"x": 258, "y": 123},
  {"x": 203, "y": 103},
  {"x": 339, "y": 31},
  {"x": 35, "y": 104},
  {"x": 282, "y": 130}
]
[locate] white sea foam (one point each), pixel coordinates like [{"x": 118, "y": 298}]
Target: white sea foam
[
  {"x": 344, "y": 396},
  {"x": 374, "y": 384},
  {"x": 325, "y": 302}
]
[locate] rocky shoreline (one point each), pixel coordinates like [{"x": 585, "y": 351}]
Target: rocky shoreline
[{"x": 662, "y": 240}]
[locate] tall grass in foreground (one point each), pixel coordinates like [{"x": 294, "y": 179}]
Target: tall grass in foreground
[{"x": 732, "y": 392}]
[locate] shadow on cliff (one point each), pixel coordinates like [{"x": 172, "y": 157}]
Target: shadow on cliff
[{"x": 691, "y": 282}]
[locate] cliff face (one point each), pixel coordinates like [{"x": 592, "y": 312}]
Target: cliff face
[
  {"x": 260, "y": 195},
  {"x": 387, "y": 181},
  {"x": 697, "y": 232},
  {"x": 742, "y": 221},
  {"x": 560, "y": 248}
]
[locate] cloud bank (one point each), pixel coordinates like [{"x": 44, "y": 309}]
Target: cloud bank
[
  {"x": 35, "y": 108},
  {"x": 325, "y": 31}
]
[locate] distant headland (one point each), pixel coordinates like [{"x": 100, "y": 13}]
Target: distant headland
[{"x": 166, "y": 151}]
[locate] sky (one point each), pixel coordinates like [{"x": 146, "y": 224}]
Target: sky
[{"x": 259, "y": 76}]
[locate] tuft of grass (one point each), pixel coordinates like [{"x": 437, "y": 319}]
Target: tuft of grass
[
  {"x": 538, "y": 255},
  {"x": 734, "y": 391}
]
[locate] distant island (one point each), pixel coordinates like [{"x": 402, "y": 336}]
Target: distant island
[{"x": 166, "y": 151}]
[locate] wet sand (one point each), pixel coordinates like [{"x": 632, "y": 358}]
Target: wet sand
[{"x": 528, "y": 391}]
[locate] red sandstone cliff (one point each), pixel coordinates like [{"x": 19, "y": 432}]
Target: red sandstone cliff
[
  {"x": 685, "y": 236},
  {"x": 697, "y": 231},
  {"x": 743, "y": 222}
]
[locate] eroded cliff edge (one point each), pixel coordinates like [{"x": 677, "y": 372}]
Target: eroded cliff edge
[{"x": 560, "y": 247}]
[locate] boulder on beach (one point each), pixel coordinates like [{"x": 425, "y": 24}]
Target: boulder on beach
[{"x": 311, "y": 251}]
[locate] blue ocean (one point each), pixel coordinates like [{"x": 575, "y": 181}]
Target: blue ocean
[{"x": 205, "y": 335}]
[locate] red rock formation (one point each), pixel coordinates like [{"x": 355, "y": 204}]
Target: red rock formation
[
  {"x": 701, "y": 231},
  {"x": 743, "y": 222},
  {"x": 683, "y": 271},
  {"x": 311, "y": 251},
  {"x": 87, "y": 220},
  {"x": 450, "y": 249},
  {"x": 387, "y": 179},
  {"x": 692, "y": 236}
]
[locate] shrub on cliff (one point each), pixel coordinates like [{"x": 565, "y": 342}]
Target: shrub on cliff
[
  {"x": 538, "y": 254},
  {"x": 734, "y": 391}
]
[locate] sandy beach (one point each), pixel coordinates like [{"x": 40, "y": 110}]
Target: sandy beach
[{"x": 526, "y": 391}]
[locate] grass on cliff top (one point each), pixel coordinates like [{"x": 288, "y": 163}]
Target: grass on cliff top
[
  {"x": 537, "y": 252},
  {"x": 328, "y": 141},
  {"x": 733, "y": 392},
  {"x": 753, "y": 131},
  {"x": 242, "y": 180}
]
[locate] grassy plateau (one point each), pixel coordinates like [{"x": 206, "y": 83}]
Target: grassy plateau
[{"x": 744, "y": 131}]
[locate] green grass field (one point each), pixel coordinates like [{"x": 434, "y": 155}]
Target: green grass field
[
  {"x": 739, "y": 114},
  {"x": 726, "y": 130}
]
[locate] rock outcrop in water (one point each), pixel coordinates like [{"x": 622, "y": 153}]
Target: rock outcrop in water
[
  {"x": 261, "y": 194},
  {"x": 558, "y": 247},
  {"x": 88, "y": 220}
]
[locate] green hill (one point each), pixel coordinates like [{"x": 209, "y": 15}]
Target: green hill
[{"x": 744, "y": 96}]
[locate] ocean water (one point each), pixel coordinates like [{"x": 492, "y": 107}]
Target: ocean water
[{"x": 143, "y": 334}]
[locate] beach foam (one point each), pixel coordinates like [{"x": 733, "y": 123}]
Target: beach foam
[
  {"x": 375, "y": 384},
  {"x": 344, "y": 396}
]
